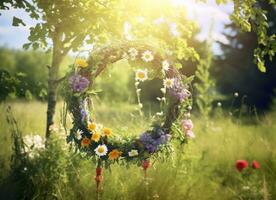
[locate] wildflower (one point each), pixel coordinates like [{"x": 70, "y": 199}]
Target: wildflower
[
  {"x": 54, "y": 128},
  {"x": 133, "y": 153},
  {"x": 187, "y": 124},
  {"x": 141, "y": 75},
  {"x": 133, "y": 53},
  {"x": 152, "y": 141},
  {"x": 96, "y": 136},
  {"x": 101, "y": 150},
  {"x": 163, "y": 90},
  {"x": 107, "y": 131},
  {"x": 219, "y": 104},
  {"x": 81, "y": 63},
  {"x": 114, "y": 154},
  {"x": 33, "y": 142},
  {"x": 241, "y": 164},
  {"x": 236, "y": 94},
  {"x": 168, "y": 82},
  {"x": 256, "y": 165},
  {"x": 147, "y": 56},
  {"x": 85, "y": 142},
  {"x": 92, "y": 127},
  {"x": 179, "y": 91},
  {"x": 78, "y": 83},
  {"x": 165, "y": 66},
  {"x": 190, "y": 134},
  {"x": 78, "y": 134}
]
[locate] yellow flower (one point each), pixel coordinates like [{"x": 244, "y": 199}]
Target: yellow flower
[
  {"x": 96, "y": 137},
  {"x": 81, "y": 63},
  {"x": 85, "y": 142},
  {"x": 92, "y": 127},
  {"x": 107, "y": 131},
  {"x": 114, "y": 154}
]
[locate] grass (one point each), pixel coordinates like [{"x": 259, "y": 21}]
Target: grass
[{"x": 202, "y": 169}]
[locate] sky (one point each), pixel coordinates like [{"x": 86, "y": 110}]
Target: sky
[{"x": 204, "y": 13}]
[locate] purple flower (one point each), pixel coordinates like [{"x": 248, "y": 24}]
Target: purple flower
[
  {"x": 187, "y": 124},
  {"x": 78, "y": 83},
  {"x": 179, "y": 91},
  {"x": 83, "y": 114},
  {"x": 152, "y": 140}
]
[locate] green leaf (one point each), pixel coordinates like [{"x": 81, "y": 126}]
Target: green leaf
[
  {"x": 16, "y": 22},
  {"x": 261, "y": 66}
]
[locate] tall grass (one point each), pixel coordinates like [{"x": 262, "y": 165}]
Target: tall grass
[{"x": 202, "y": 169}]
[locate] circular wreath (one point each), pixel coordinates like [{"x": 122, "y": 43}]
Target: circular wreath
[{"x": 99, "y": 142}]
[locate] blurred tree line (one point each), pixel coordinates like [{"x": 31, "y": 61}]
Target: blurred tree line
[
  {"x": 235, "y": 70},
  {"x": 23, "y": 74}
]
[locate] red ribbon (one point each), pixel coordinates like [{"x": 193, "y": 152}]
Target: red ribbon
[{"x": 98, "y": 177}]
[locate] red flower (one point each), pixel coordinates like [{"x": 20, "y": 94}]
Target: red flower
[
  {"x": 256, "y": 165},
  {"x": 145, "y": 164},
  {"x": 241, "y": 164}
]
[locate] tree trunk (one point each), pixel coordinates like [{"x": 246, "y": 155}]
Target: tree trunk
[{"x": 53, "y": 75}]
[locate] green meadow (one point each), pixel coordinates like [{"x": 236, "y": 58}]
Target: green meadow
[{"x": 202, "y": 169}]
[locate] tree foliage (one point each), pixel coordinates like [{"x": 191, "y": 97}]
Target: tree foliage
[{"x": 235, "y": 70}]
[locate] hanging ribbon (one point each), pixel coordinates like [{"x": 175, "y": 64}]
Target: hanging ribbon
[
  {"x": 98, "y": 178},
  {"x": 145, "y": 165}
]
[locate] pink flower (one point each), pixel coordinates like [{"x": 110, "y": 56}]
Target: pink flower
[
  {"x": 241, "y": 164},
  {"x": 187, "y": 124},
  {"x": 190, "y": 134}
]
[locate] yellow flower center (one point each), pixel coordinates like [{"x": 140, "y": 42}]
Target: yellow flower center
[
  {"x": 141, "y": 75},
  {"x": 101, "y": 149}
]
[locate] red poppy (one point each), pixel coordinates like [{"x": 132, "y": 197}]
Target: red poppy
[
  {"x": 256, "y": 165},
  {"x": 145, "y": 164},
  {"x": 241, "y": 164}
]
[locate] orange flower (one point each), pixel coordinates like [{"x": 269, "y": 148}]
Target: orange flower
[
  {"x": 85, "y": 142},
  {"x": 114, "y": 154},
  {"x": 107, "y": 131}
]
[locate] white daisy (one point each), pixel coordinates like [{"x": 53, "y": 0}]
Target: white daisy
[
  {"x": 78, "y": 134},
  {"x": 147, "y": 56},
  {"x": 168, "y": 82},
  {"x": 133, "y": 153},
  {"x": 165, "y": 65},
  {"x": 132, "y": 53},
  {"x": 141, "y": 75},
  {"x": 101, "y": 150}
]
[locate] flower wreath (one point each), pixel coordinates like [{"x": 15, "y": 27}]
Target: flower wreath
[{"x": 100, "y": 143}]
